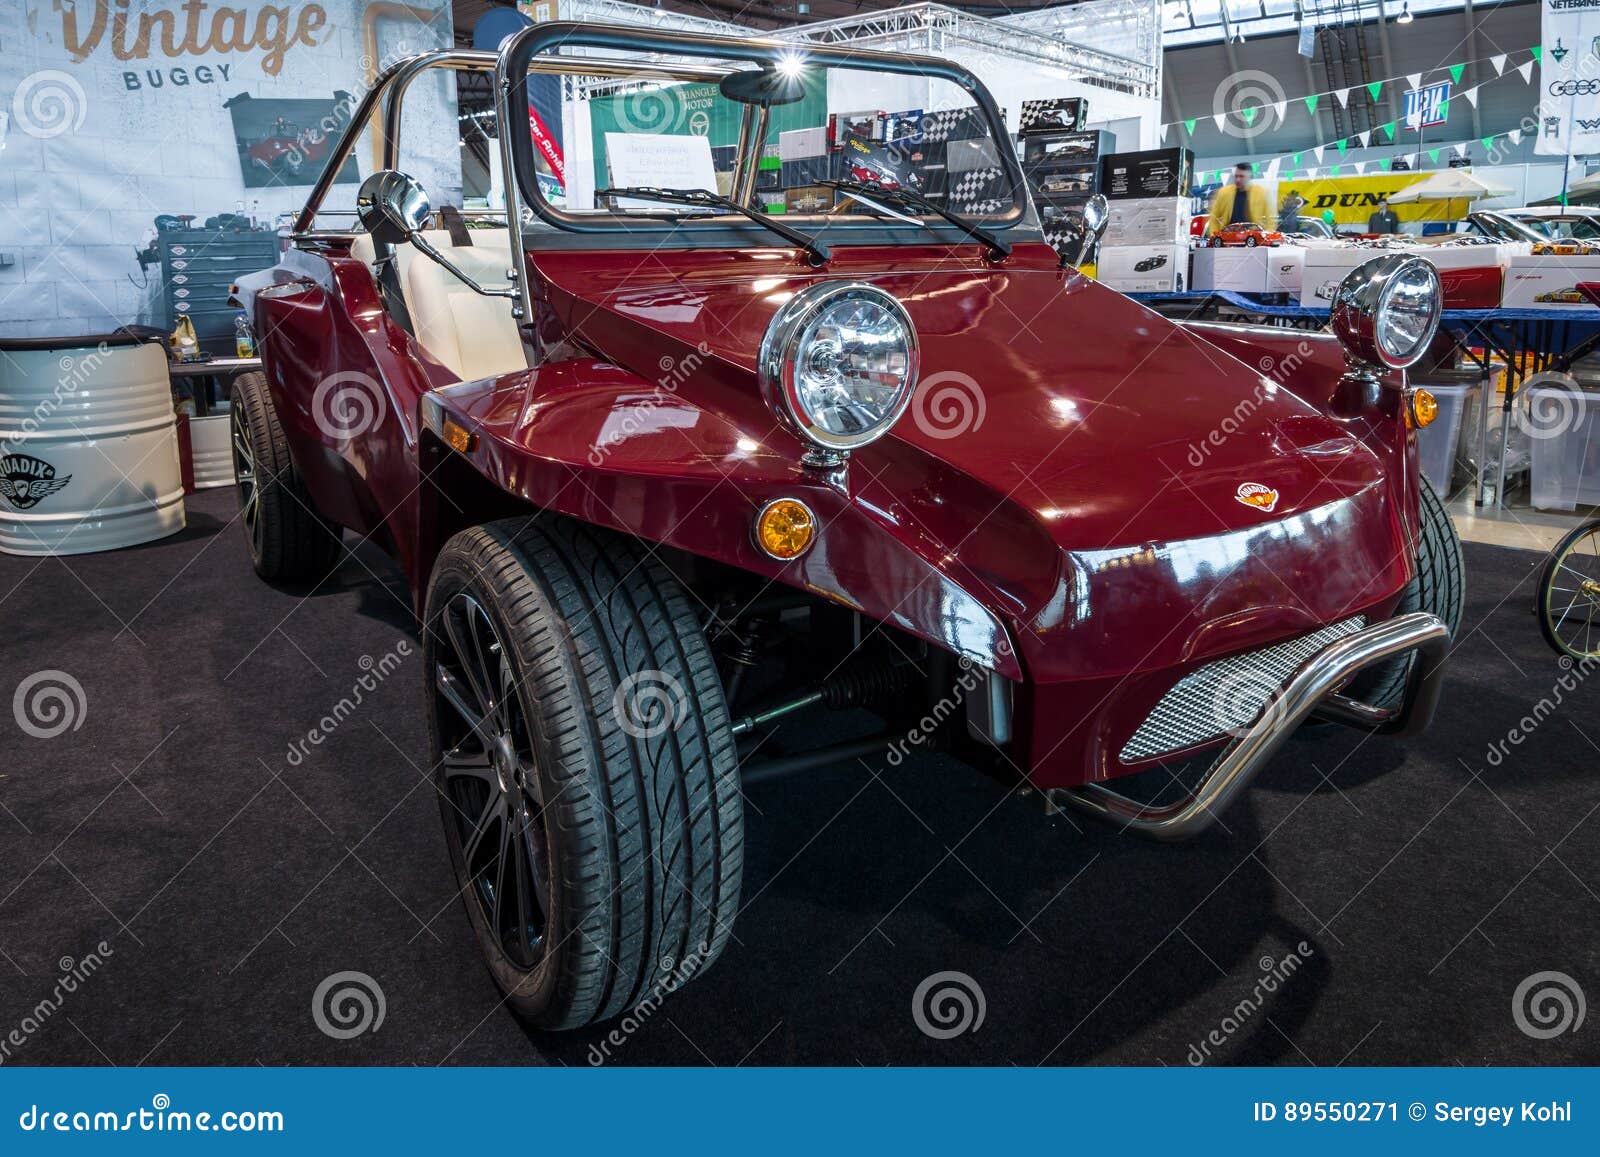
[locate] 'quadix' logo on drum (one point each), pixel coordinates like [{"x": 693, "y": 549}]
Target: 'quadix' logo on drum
[{"x": 24, "y": 480}]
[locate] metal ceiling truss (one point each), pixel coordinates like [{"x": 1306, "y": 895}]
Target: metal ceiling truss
[{"x": 931, "y": 27}]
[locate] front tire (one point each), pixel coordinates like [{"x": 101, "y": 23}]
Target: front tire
[
  {"x": 1438, "y": 587},
  {"x": 289, "y": 540},
  {"x": 587, "y": 776}
]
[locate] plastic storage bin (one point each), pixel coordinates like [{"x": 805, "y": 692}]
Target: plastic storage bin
[
  {"x": 1564, "y": 435},
  {"x": 1451, "y": 440}
]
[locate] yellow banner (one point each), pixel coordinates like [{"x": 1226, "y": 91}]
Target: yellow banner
[{"x": 1354, "y": 199}]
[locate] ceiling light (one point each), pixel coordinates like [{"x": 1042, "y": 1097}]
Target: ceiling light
[{"x": 1405, "y": 16}]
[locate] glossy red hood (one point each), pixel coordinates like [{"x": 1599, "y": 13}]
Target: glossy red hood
[{"x": 1044, "y": 389}]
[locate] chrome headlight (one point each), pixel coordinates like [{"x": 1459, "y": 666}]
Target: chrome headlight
[
  {"x": 838, "y": 364},
  {"x": 1386, "y": 311}
]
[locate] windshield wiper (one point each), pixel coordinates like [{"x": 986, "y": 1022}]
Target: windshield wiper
[
  {"x": 998, "y": 250},
  {"x": 817, "y": 250}
]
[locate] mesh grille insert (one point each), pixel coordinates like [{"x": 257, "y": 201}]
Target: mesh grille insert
[{"x": 1226, "y": 696}]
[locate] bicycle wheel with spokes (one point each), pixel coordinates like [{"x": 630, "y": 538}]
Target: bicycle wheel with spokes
[{"x": 1569, "y": 594}]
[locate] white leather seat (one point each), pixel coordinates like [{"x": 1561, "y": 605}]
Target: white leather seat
[{"x": 471, "y": 335}]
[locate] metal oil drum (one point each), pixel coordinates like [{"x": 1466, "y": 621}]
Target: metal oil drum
[{"x": 88, "y": 445}]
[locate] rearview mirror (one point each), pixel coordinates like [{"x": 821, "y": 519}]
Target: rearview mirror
[
  {"x": 763, "y": 86},
  {"x": 392, "y": 207}
]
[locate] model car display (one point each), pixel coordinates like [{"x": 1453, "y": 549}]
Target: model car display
[
  {"x": 1064, "y": 185},
  {"x": 1248, "y": 236},
  {"x": 649, "y": 508},
  {"x": 1561, "y": 297},
  {"x": 1150, "y": 263}
]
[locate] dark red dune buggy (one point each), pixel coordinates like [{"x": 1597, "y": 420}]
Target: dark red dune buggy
[{"x": 664, "y": 469}]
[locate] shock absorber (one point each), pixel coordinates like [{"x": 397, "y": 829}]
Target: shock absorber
[{"x": 860, "y": 684}]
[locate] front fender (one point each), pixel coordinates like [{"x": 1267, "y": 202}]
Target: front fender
[
  {"x": 595, "y": 442},
  {"x": 1312, "y": 365}
]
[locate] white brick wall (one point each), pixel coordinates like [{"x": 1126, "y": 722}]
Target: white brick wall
[{"x": 74, "y": 207}]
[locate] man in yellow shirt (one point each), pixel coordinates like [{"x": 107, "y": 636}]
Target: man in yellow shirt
[{"x": 1239, "y": 205}]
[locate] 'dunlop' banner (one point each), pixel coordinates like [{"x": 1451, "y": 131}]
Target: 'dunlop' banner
[{"x": 117, "y": 113}]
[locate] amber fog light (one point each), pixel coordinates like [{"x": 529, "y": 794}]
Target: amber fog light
[
  {"x": 785, "y": 528},
  {"x": 1421, "y": 408}
]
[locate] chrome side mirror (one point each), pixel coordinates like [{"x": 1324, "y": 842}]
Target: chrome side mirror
[
  {"x": 1096, "y": 215},
  {"x": 393, "y": 207}
]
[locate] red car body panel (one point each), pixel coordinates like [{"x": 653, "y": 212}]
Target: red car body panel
[{"x": 1060, "y": 504}]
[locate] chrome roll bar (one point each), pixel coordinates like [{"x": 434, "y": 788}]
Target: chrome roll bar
[{"x": 1311, "y": 691}]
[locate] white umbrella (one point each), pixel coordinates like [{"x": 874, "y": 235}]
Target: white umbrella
[{"x": 1449, "y": 185}]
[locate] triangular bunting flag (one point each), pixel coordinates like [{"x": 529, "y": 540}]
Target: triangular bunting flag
[
  {"x": 1433, "y": 156},
  {"x": 1526, "y": 68},
  {"x": 1221, "y": 118},
  {"x": 1455, "y": 73},
  {"x": 1249, "y": 113},
  {"x": 1365, "y": 138},
  {"x": 1188, "y": 125},
  {"x": 1538, "y": 53},
  {"x": 1487, "y": 143},
  {"x": 1279, "y": 109},
  {"x": 1164, "y": 129},
  {"x": 1389, "y": 128},
  {"x": 1317, "y": 152},
  {"x": 1297, "y": 160},
  {"x": 1472, "y": 95},
  {"x": 1516, "y": 136},
  {"x": 1361, "y": 167},
  {"x": 1341, "y": 146},
  {"x": 1499, "y": 63},
  {"x": 1461, "y": 147},
  {"x": 1344, "y": 97},
  {"x": 1414, "y": 79},
  {"x": 1333, "y": 170},
  {"x": 1272, "y": 167},
  {"x": 1384, "y": 165},
  {"x": 1311, "y": 104},
  {"x": 1375, "y": 88}
]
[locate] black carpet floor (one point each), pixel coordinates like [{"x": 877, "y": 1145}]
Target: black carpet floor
[{"x": 1370, "y": 901}]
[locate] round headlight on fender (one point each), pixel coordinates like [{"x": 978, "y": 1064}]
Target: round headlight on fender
[
  {"x": 838, "y": 365},
  {"x": 1386, "y": 311}
]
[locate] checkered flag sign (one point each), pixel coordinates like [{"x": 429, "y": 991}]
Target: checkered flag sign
[
  {"x": 953, "y": 124},
  {"x": 979, "y": 191}
]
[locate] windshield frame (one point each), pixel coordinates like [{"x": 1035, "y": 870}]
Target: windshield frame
[{"x": 624, "y": 230}]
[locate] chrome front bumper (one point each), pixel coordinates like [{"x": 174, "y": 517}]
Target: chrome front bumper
[{"x": 1311, "y": 691}]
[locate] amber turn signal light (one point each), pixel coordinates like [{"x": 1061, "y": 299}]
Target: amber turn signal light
[
  {"x": 458, "y": 437},
  {"x": 785, "y": 528},
  {"x": 1421, "y": 408}
]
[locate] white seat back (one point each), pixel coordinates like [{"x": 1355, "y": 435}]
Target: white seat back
[{"x": 471, "y": 335}]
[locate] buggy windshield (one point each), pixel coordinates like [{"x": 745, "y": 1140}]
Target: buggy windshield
[{"x": 692, "y": 131}]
